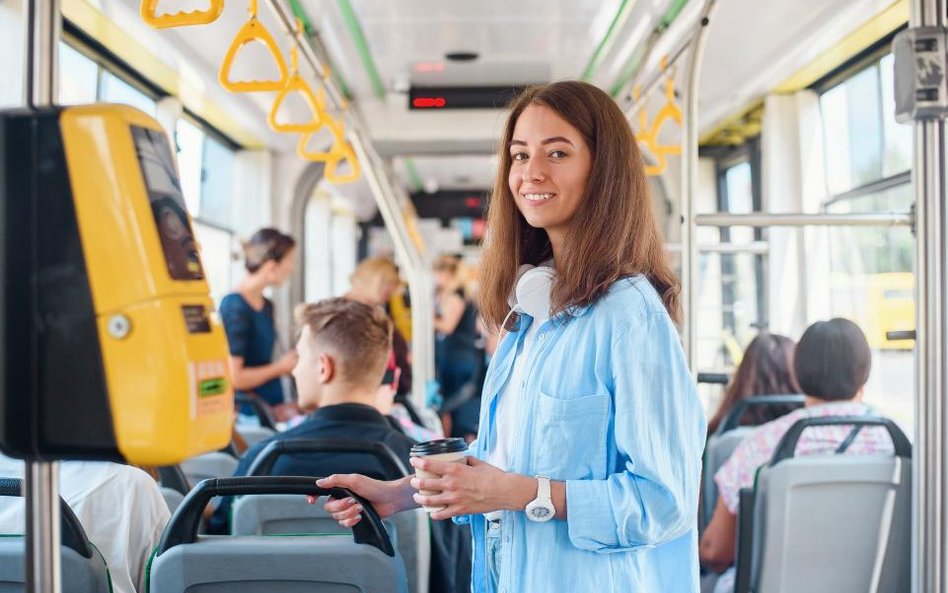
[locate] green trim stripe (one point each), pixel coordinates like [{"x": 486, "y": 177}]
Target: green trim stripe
[
  {"x": 300, "y": 13},
  {"x": 628, "y": 71},
  {"x": 352, "y": 22},
  {"x": 596, "y": 60},
  {"x": 632, "y": 68},
  {"x": 672, "y": 13},
  {"x": 414, "y": 179}
]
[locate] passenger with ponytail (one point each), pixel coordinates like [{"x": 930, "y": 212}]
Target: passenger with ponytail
[{"x": 248, "y": 319}]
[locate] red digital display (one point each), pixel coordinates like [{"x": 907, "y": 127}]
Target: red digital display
[{"x": 428, "y": 102}]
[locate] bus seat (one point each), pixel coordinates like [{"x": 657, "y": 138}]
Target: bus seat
[
  {"x": 254, "y": 434},
  {"x": 725, "y": 439},
  {"x": 172, "y": 497},
  {"x": 829, "y": 523},
  {"x": 83, "y": 568},
  {"x": 209, "y": 465},
  {"x": 252, "y": 403},
  {"x": 363, "y": 562},
  {"x": 274, "y": 514}
]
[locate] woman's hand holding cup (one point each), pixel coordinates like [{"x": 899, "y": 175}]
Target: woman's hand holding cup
[{"x": 449, "y": 488}]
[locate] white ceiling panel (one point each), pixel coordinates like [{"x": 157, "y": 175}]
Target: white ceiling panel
[{"x": 541, "y": 39}]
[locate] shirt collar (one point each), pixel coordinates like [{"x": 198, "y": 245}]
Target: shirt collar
[{"x": 349, "y": 413}]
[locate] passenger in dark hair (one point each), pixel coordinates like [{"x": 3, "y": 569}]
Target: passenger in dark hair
[
  {"x": 765, "y": 369},
  {"x": 832, "y": 360},
  {"x": 832, "y": 363},
  {"x": 264, "y": 246},
  {"x": 248, "y": 320}
]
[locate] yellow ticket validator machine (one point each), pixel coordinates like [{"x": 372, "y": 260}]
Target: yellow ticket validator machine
[{"x": 109, "y": 346}]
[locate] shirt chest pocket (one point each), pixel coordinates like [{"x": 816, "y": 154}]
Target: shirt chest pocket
[{"x": 570, "y": 438}]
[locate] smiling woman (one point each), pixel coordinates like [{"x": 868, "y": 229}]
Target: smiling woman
[
  {"x": 549, "y": 169},
  {"x": 584, "y": 475}
]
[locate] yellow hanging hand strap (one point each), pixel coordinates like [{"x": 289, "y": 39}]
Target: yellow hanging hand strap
[
  {"x": 180, "y": 19},
  {"x": 296, "y": 84},
  {"x": 336, "y": 129},
  {"x": 346, "y": 154},
  {"x": 252, "y": 30},
  {"x": 340, "y": 152},
  {"x": 648, "y": 135}
]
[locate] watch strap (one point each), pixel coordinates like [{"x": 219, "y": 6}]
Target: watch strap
[{"x": 543, "y": 488}]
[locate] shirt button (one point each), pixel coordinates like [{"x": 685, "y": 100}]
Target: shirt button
[{"x": 541, "y": 337}]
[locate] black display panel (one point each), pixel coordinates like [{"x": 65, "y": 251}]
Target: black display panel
[{"x": 167, "y": 205}]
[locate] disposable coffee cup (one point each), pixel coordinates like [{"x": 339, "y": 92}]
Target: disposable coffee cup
[{"x": 439, "y": 450}]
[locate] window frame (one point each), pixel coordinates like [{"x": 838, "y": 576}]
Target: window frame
[{"x": 726, "y": 158}]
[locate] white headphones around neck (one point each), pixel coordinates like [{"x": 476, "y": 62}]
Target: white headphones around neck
[{"x": 532, "y": 293}]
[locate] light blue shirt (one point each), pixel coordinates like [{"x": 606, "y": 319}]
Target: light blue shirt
[{"x": 608, "y": 406}]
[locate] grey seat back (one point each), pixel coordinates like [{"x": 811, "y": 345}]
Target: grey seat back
[
  {"x": 83, "y": 568},
  {"x": 361, "y": 562},
  {"x": 717, "y": 451},
  {"x": 831, "y": 523},
  {"x": 275, "y": 514},
  {"x": 209, "y": 465},
  {"x": 725, "y": 439},
  {"x": 172, "y": 497},
  {"x": 270, "y": 514},
  {"x": 254, "y": 434}
]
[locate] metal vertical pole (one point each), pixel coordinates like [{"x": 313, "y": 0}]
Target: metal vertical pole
[
  {"x": 419, "y": 281},
  {"x": 928, "y": 177},
  {"x": 689, "y": 185},
  {"x": 41, "y": 479}
]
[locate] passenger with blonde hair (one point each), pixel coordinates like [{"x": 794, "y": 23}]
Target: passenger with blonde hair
[
  {"x": 373, "y": 281},
  {"x": 585, "y": 472}
]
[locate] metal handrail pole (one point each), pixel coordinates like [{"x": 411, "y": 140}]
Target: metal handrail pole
[
  {"x": 763, "y": 219},
  {"x": 928, "y": 476},
  {"x": 689, "y": 184},
  {"x": 41, "y": 478}
]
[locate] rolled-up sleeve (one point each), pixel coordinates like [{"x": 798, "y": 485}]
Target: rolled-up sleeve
[{"x": 659, "y": 429}]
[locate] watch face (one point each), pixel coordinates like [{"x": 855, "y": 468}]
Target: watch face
[{"x": 540, "y": 513}]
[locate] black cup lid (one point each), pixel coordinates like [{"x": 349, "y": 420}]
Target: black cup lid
[{"x": 439, "y": 446}]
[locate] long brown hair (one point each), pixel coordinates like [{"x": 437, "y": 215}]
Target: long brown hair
[
  {"x": 614, "y": 233},
  {"x": 765, "y": 369}
]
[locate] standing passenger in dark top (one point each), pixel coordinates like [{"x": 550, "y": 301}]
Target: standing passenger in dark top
[
  {"x": 248, "y": 320},
  {"x": 457, "y": 357}
]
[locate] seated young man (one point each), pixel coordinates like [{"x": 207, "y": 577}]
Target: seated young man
[
  {"x": 831, "y": 362},
  {"x": 343, "y": 352}
]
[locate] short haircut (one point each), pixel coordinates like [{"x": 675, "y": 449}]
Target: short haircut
[
  {"x": 832, "y": 360},
  {"x": 359, "y": 335}
]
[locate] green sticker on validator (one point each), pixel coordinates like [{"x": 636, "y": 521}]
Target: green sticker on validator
[{"x": 209, "y": 387}]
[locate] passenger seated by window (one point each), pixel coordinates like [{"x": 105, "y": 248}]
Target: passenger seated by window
[
  {"x": 832, "y": 363},
  {"x": 343, "y": 350},
  {"x": 119, "y": 506},
  {"x": 765, "y": 369}
]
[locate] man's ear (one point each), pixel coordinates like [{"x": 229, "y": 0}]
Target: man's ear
[{"x": 327, "y": 368}]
